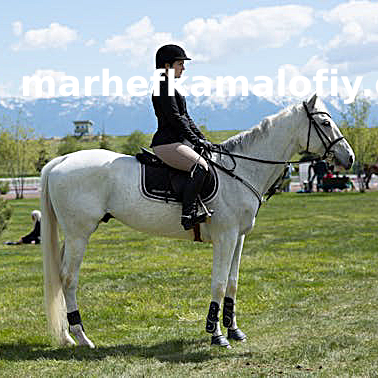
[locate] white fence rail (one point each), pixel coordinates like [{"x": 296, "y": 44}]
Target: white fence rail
[{"x": 30, "y": 183}]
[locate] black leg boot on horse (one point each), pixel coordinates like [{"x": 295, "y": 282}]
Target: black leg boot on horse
[{"x": 195, "y": 183}]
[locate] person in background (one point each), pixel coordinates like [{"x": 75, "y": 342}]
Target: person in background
[
  {"x": 33, "y": 237},
  {"x": 329, "y": 174},
  {"x": 287, "y": 178},
  {"x": 320, "y": 168}
]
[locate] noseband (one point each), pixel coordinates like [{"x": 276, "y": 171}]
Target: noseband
[{"x": 326, "y": 141}]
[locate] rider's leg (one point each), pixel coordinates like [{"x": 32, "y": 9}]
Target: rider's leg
[
  {"x": 183, "y": 157},
  {"x": 192, "y": 189},
  {"x": 179, "y": 156}
]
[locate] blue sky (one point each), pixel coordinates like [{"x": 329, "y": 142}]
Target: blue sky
[{"x": 229, "y": 37}]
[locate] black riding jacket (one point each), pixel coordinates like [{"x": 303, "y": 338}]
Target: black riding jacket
[
  {"x": 174, "y": 122},
  {"x": 34, "y": 235}
]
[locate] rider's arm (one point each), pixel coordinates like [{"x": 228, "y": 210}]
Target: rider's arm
[
  {"x": 193, "y": 126},
  {"x": 171, "y": 112}
]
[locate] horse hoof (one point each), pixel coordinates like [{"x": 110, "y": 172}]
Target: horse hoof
[
  {"x": 236, "y": 334},
  {"x": 67, "y": 339},
  {"x": 220, "y": 341},
  {"x": 80, "y": 336}
]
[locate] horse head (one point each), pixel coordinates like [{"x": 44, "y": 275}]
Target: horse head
[{"x": 322, "y": 136}]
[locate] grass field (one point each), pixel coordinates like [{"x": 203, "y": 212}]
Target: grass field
[{"x": 307, "y": 299}]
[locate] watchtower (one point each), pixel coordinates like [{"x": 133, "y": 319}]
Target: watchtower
[{"x": 83, "y": 128}]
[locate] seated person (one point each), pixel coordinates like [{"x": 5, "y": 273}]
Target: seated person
[{"x": 33, "y": 237}]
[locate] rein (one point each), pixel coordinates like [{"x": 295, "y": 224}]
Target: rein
[
  {"x": 231, "y": 173},
  {"x": 312, "y": 123}
]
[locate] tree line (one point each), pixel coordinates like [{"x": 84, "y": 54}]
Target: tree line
[{"x": 23, "y": 154}]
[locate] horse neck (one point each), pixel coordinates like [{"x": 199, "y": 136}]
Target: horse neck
[{"x": 275, "y": 139}]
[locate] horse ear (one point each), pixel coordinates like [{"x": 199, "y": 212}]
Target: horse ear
[{"x": 311, "y": 101}]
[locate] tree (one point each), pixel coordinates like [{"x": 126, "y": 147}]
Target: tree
[
  {"x": 16, "y": 156},
  {"x": 42, "y": 155},
  {"x": 104, "y": 141},
  {"x": 359, "y": 135},
  {"x": 134, "y": 142},
  {"x": 67, "y": 145},
  {"x": 5, "y": 214}
]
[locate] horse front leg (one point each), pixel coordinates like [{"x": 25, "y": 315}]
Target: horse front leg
[
  {"x": 223, "y": 251},
  {"x": 229, "y": 314}
]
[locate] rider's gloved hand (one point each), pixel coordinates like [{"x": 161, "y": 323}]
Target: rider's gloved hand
[{"x": 205, "y": 144}]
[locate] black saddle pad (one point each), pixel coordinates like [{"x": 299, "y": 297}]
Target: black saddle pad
[{"x": 160, "y": 182}]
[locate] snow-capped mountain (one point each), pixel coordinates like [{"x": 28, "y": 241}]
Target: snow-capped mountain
[{"x": 123, "y": 115}]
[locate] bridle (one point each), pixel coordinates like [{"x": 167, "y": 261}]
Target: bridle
[
  {"x": 326, "y": 141},
  {"x": 321, "y": 134}
]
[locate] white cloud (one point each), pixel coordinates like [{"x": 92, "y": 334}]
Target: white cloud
[
  {"x": 246, "y": 31},
  {"x": 309, "y": 70},
  {"x": 139, "y": 41},
  {"x": 4, "y": 90},
  {"x": 307, "y": 42},
  {"x": 90, "y": 42},
  {"x": 357, "y": 42},
  {"x": 208, "y": 39},
  {"x": 57, "y": 78},
  {"x": 17, "y": 28},
  {"x": 55, "y": 36}
]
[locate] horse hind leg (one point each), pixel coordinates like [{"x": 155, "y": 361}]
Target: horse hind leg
[{"x": 72, "y": 258}]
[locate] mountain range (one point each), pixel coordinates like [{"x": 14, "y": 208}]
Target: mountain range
[{"x": 51, "y": 117}]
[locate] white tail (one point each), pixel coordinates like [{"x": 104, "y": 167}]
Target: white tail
[{"x": 55, "y": 304}]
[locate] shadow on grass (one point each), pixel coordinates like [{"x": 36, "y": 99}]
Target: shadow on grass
[{"x": 175, "y": 351}]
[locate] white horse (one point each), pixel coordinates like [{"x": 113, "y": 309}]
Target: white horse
[{"x": 79, "y": 188}]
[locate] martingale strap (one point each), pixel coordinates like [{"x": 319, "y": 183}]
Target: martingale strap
[{"x": 236, "y": 177}]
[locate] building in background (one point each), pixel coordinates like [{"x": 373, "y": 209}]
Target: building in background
[{"x": 83, "y": 128}]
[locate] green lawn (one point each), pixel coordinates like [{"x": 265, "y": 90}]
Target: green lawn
[{"x": 307, "y": 298}]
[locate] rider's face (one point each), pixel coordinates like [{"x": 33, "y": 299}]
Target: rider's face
[{"x": 179, "y": 67}]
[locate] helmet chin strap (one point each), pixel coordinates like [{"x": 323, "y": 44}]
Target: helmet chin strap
[{"x": 326, "y": 141}]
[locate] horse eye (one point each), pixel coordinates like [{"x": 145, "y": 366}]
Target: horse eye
[{"x": 326, "y": 123}]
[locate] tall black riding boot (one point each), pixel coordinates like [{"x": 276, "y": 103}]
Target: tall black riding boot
[{"x": 189, "y": 203}]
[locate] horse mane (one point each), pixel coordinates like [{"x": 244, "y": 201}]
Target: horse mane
[{"x": 259, "y": 131}]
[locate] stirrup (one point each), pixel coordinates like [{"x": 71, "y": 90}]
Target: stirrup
[{"x": 189, "y": 221}]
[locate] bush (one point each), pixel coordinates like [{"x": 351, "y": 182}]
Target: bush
[
  {"x": 135, "y": 141},
  {"x": 5, "y": 214},
  {"x": 105, "y": 142},
  {"x": 4, "y": 187},
  {"x": 69, "y": 144}
]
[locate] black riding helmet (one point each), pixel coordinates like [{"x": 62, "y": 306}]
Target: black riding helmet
[{"x": 169, "y": 54}]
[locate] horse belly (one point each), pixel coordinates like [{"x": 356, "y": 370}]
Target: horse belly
[{"x": 127, "y": 204}]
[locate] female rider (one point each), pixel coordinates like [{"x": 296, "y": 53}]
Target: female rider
[{"x": 177, "y": 136}]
